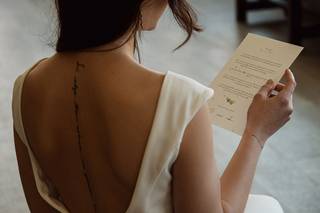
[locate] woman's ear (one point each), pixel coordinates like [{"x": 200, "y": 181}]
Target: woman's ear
[{"x": 151, "y": 11}]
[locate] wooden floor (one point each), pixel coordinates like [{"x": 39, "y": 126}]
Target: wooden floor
[{"x": 289, "y": 169}]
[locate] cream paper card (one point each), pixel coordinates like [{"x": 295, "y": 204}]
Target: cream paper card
[{"x": 256, "y": 60}]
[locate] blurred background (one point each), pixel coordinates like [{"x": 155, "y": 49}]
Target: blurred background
[{"x": 289, "y": 168}]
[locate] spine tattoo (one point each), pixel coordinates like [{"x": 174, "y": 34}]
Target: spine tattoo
[{"x": 75, "y": 88}]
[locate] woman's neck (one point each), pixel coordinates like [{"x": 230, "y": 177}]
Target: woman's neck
[{"x": 119, "y": 49}]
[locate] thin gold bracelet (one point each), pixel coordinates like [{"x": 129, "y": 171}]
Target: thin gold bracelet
[{"x": 258, "y": 141}]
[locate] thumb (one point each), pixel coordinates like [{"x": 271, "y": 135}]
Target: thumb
[{"x": 290, "y": 83}]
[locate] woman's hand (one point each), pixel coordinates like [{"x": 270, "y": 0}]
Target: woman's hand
[{"x": 268, "y": 113}]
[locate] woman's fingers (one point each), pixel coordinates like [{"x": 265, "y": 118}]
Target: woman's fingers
[
  {"x": 279, "y": 87},
  {"x": 276, "y": 90},
  {"x": 271, "y": 89},
  {"x": 266, "y": 88}
]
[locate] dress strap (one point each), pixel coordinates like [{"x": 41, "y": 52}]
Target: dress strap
[{"x": 181, "y": 97}]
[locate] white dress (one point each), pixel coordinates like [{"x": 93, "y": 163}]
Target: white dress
[{"x": 180, "y": 98}]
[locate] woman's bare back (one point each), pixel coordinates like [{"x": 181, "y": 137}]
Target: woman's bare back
[{"x": 116, "y": 106}]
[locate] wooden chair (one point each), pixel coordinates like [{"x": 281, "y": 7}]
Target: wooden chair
[{"x": 292, "y": 8}]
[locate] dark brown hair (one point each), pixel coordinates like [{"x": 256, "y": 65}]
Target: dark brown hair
[{"x": 86, "y": 24}]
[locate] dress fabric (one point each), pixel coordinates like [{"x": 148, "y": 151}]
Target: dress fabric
[{"x": 180, "y": 98}]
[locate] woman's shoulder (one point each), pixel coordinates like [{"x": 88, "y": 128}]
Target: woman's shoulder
[
  {"x": 188, "y": 88},
  {"x": 25, "y": 72},
  {"x": 188, "y": 81}
]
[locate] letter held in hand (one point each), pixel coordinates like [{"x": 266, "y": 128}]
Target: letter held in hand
[{"x": 256, "y": 60}]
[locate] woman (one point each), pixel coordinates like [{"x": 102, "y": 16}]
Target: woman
[{"x": 96, "y": 131}]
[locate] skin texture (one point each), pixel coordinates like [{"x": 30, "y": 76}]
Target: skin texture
[{"x": 78, "y": 111}]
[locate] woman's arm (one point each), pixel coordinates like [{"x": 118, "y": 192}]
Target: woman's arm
[
  {"x": 237, "y": 178},
  {"x": 34, "y": 200},
  {"x": 266, "y": 115},
  {"x": 196, "y": 182},
  {"x": 197, "y": 187}
]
